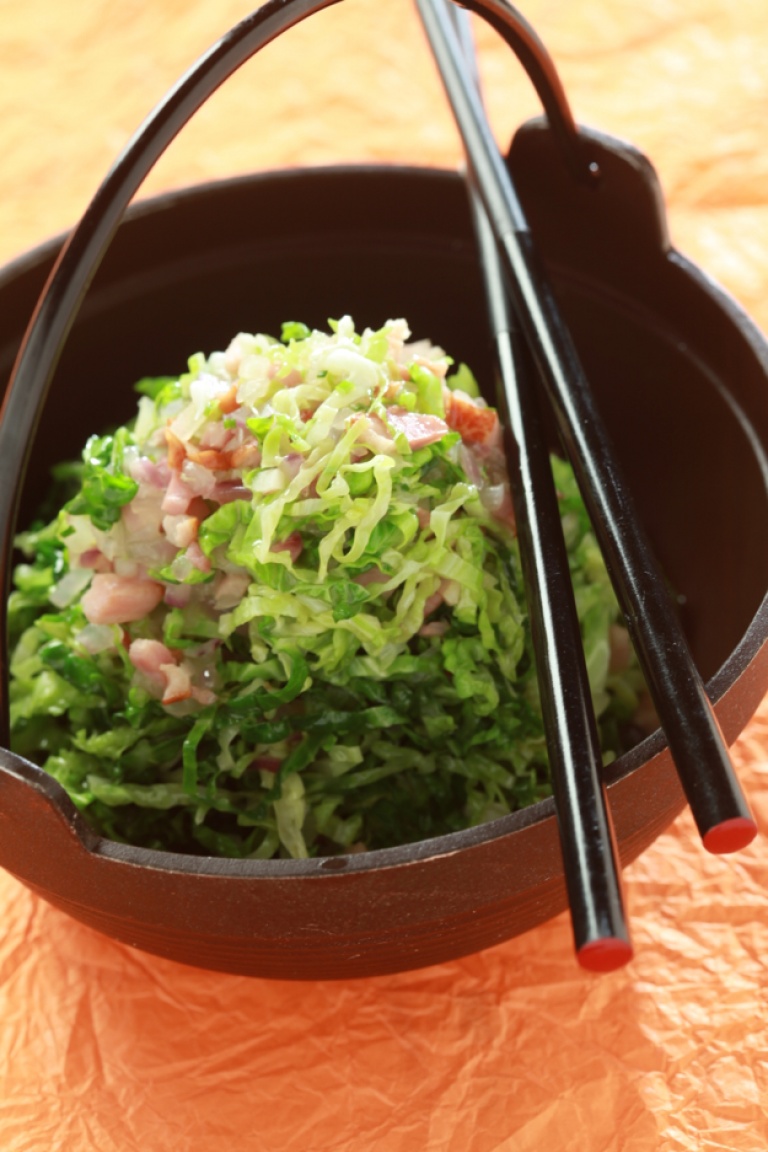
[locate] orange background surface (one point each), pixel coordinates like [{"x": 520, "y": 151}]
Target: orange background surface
[{"x": 104, "y": 1049}]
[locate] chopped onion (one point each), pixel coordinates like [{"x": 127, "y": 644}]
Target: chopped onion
[{"x": 70, "y": 586}]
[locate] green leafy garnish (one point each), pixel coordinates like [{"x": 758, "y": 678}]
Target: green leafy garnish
[{"x": 282, "y": 612}]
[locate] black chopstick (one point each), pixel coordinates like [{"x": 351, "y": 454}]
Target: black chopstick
[
  {"x": 677, "y": 690},
  {"x": 590, "y": 857}
]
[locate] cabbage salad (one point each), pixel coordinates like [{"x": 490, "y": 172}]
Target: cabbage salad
[{"x": 282, "y": 613}]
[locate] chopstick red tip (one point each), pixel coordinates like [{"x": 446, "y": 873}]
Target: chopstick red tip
[
  {"x": 730, "y": 835},
  {"x": 604, "y": 955}
]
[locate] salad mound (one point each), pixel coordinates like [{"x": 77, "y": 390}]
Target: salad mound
[{"x": 282, "y": 613}]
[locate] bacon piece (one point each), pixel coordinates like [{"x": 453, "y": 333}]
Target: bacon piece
[
  {"x": 292, "y": 544},
  {"x": 228, "y": 402},
  {"x": 475, "y": 423},
  {"x": 197, "y": 557},
  {"x": 178, "y": 496},
  {"x": 434, "y": 628},
  {"x": 433, "y": 602},
  {"x": 229, "y": 491},
  {"x": 214, "y": 459},
  {"x": 215, "y": 435},
  {"x": 420, "y": 429},
  {"x": 201, "y": 480},
  {"x": 146, "y": 471},
  {"x": 177, "y": 595},
  {"x": 114, "y": 599},
  {"x": 149, "y": 657},
  {"x": 310, "y": 492},
  {"x": 198, "y": 508},
  {"x": 230, "y": 590},
  {"x": 94, "y": 558},
  {"x": 165, "y": 677},
  {"x": 180, "y": 530},
  {"x": 176, "y": 450},
  {"x": 266, "y": 763},
  {"x": 246, "y": 456},
  {"x": 178, "y": 683},
  {"x": 371, "y": 576}
]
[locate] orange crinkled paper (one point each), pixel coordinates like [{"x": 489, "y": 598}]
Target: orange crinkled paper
[{"x": 105, "y": 1049}]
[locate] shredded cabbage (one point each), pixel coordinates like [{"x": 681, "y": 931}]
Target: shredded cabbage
[{"x": 282, "y": 613}]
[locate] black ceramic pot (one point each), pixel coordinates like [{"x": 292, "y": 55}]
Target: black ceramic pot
[{"x": 681, "y": 378}]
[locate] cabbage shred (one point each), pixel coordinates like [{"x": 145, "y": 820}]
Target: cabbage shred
[{"x": 282, "y": 612}]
